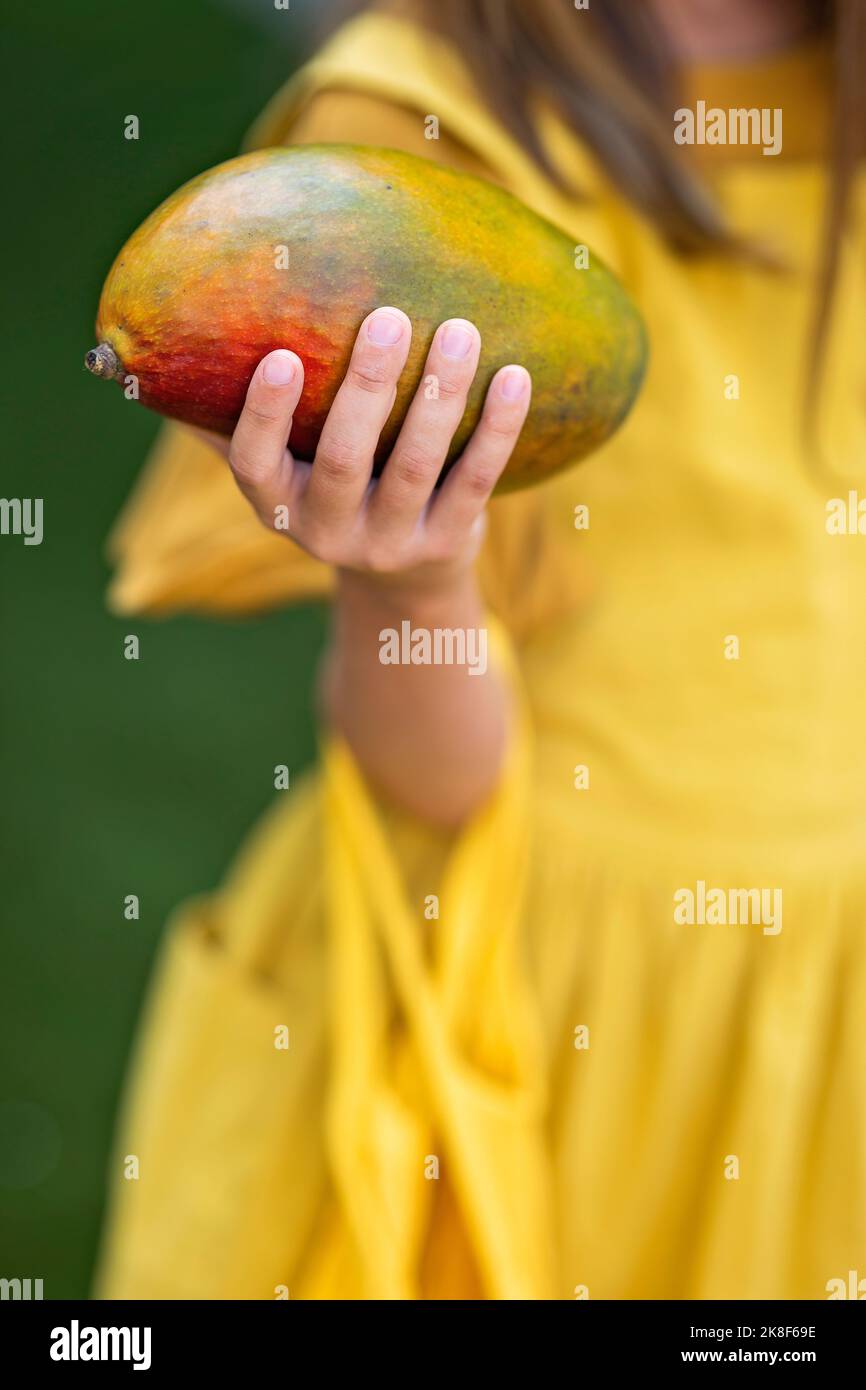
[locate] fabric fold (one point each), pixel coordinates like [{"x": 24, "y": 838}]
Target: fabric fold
[{"x": 471, "y": 1025}]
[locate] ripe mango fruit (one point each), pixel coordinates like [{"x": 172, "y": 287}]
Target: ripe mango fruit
[{"x": 294, "y": 247}]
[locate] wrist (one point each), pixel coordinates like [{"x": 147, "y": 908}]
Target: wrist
[{"x": 431, "y": 591}]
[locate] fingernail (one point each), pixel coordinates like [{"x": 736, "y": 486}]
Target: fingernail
[
  {"x": 512, "y": 383},
  {"x": 457, "y": 341},
  {"x": 385, "y": 329},
  {"x": 279, "y": 368}
]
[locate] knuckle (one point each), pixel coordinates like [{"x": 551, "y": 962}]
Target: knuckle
[
  {"x": 442, "y": 548},
  {"x": 327, "y": 552},
  {"x": 382, "y": 558},
  {"x": 413, "y": 464},
  {"x": 246, "y": 467},
  {"x": 450, "y": 388},
  {"x": 338, "y": 461},
  {"x": 501, "y": 425},
  {"x": 481, "y": 479},
  {"x": 261, "y": 415},
  {"x": 318, "y": 542},
  {"x": 370, "y": 374}
]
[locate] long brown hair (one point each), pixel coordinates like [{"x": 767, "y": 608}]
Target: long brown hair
[{"x": 613, "y": 79}]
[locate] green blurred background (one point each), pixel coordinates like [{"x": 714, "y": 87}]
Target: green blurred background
[{"x": 117, "y": 776}]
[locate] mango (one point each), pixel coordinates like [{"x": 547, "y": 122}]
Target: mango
[{"x": 293, "y": 247}]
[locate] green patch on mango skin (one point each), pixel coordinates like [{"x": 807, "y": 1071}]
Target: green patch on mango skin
[{"x": 294, "y": 247}]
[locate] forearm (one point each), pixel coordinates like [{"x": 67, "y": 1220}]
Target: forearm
[{"x": 430, "y": 736}]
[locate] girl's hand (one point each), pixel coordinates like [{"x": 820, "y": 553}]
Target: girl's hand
[{"x": 397, "y": 528}]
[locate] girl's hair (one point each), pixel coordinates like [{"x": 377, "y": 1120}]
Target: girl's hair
[{"x": 612, "y": 77}]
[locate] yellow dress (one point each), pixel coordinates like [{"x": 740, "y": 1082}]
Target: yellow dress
[{"x": 559, "y": 1087}]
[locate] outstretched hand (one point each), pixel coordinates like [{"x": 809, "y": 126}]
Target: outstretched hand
[{"x": 399, "y": 524}]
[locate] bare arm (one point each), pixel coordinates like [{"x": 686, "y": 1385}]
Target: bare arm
[{"x": 431, "y": 736}]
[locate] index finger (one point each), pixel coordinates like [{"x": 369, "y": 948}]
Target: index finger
[{"x": 258, "y": 453}]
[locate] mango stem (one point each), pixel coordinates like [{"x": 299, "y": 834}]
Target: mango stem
[{"x": 103, "y": 361}]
